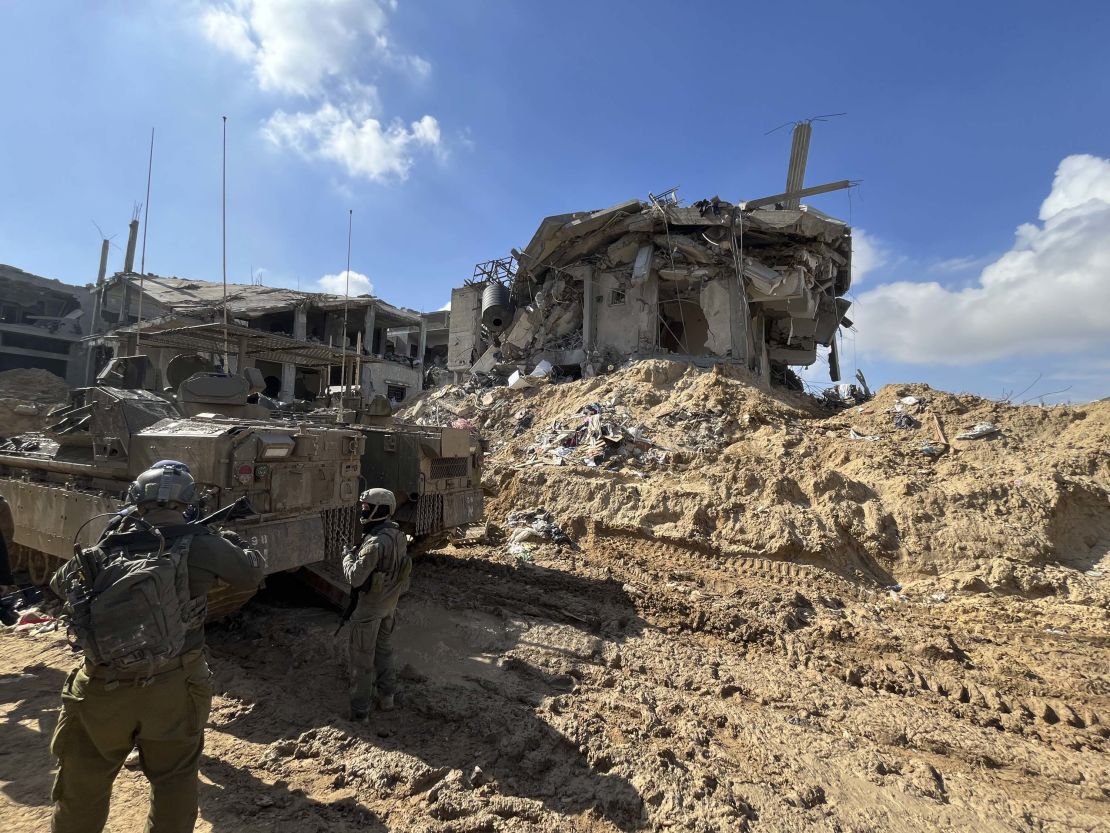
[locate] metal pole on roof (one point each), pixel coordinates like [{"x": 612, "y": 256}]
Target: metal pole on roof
[
  {"x": 346, "y": 301},
  {"x": 223, "y": 234},
  {"x": 142, "y": 259}
]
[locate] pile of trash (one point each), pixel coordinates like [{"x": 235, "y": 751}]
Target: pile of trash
[
  {"x": 533, "y": 526},
  {"x": 596, "y": 436}
]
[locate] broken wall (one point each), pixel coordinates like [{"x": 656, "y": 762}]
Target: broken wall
[{"x": 464, "y": 339}]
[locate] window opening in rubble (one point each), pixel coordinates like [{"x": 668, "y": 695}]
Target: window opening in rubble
[
  {"x": 683, "y": 327},
  {"x": 616, "y": 297},
  {"x": 306, "y": 383},
  {"x": 271, "y": 374},
  {"x": 395, "y": 393}
]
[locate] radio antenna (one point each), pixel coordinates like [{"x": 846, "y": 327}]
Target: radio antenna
[
  {"x": 346, "y": 302},
  {"x": 223, "y": 237},
  {"x": 142, "y": 260}
]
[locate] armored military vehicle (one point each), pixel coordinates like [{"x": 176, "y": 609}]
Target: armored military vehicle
[
  {"x": 301, "y": 479},
  {"x": 435, "y": 473}
]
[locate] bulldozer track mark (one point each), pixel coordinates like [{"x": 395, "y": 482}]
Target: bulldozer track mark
[{"x": 910, "y": 680}]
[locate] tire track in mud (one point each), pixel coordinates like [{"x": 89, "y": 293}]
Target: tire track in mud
[{"x": 708, "y": 579}]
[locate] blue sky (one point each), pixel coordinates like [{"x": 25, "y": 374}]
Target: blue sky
[{"x": 453, "y": 128}]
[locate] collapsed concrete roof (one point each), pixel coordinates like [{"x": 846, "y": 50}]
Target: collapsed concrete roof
[
  {"x": 650, "y": 278},
  {"x": 248, "y": 300}
]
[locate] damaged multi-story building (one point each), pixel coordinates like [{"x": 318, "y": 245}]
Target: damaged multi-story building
[
  {"x": 759, "y": 284},
  {"x": 41, "y": 323},
  {"x": 300, "y": 341}
]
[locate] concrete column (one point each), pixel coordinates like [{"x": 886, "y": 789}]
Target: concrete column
[
  {"x": 367, "y": 381},
  {"x": 422, "y": 345},
  {"x": 739, "y": 336},
  {"x": 588, "y": 310},
  {"x": 300, "y": 323},
  {"x": 125, "y": 303},
  {"x": 288, "y": 369},
  {"x": 761, "y": 357},
  {"x": 368, "y": 321},
  {"x": 241, "y": 358}
]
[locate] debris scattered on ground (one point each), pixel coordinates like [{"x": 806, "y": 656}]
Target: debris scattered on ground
[
  {"x": 535, "y": 525},
  {"x": 856, "y": 434},
  {"x": 979, "y": 431},
  {"x": 781, "y": 629},
  {"x": 597, "y": 435}
]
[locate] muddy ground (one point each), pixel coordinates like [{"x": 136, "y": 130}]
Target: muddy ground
[
  {"x": 771, "y": 627},
  {"x": 585, "y": 692}
]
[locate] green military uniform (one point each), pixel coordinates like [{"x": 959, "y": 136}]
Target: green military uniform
[
  {"x": 379, "y": 573},
  {"x": 7, "y": 536},
  {"x": 105, "y": 713}
]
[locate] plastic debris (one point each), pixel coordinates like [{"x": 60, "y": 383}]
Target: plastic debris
[
  {"x": 934, "y": 450},
  {"x": 979, "y": 431},
  {"x": 598, "y": 435},
  {"x": 904, "y": 420},
  {"x": 542, "y": 370},
  {"x": 853, "y": 434},
  {"x": 534, "y": 525}
]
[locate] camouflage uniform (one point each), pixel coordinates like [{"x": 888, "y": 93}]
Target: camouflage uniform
[
  {"x": 7, "y": 534},
  {"x": 379, "y": 571},
  {"x": 106, "y": 712}
]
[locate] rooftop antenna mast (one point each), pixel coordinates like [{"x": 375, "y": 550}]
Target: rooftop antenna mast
[
  {"x": 142, "y": 258},
  {"x": 346, "y": 302},
  {"x": 223, "y": 236}
]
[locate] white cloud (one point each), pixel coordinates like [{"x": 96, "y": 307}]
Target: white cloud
[
  {"x": 228, "y": 31},
  {"x": 353, "y": 139},
  {"x": 446, "y": 307},
  {"x": 867, "y": 254},
  {"x": 337, "y": 284},
  {"x": 1048, "y": 294},
  {"x": 297, "y": 46},
  {"x": 323, "y": 51},
  {"x": 958, "y": 264}
]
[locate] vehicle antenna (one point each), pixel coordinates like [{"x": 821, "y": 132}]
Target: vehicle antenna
[
  {"x": 346, "y": 301},
  {"x": 223, "y": 236},
  {"x": 142, "y": 259}
]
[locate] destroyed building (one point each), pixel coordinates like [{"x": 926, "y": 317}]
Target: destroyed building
[
  {"x": 289, "y": 335},
  {"x": 759, "y": 284},
  {"x": 41, "y": 322},
  {"x": 284, "y": 317}
]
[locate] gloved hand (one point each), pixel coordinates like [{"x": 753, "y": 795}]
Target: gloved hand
[{"x": 234, "y": 537}]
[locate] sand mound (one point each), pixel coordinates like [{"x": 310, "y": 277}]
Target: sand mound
[
  {"x": 774, "y": 476},
  {"x": 26, "y": 396}
]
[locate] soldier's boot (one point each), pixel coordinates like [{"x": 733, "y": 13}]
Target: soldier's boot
[
  {"x": 386, "y": 703},
  {"x": 359, "y": 715}
]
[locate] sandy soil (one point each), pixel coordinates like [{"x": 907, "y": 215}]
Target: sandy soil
[
  {"x": 756, "y": 675},
  {"x": 26, "y": 396}
]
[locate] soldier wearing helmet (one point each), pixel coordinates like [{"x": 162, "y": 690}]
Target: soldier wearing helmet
[
  {"x": 378, "y": 570},
  {"x": 162, "y": 710}
]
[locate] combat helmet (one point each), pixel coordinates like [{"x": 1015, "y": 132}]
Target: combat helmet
[
  {"x": 376, "y": 505},
  {"x": 166, "y": 482}
]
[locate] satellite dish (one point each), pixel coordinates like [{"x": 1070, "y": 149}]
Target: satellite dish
[{"x": 183, "y": 366}]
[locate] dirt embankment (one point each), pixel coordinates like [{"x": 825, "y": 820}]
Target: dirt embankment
[
  {"x": 721, "y": 648},
  {"x": 779, "y": 480},
  {"x": 26, "y": 396}
]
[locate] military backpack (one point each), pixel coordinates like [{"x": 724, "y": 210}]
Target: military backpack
[{"x": 130, "y": 604}]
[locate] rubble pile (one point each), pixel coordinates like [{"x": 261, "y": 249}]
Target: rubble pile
[
  {"x": 779, "y": 628},
  {"x": 759, "y": 286},
  {"x": 26, "y": 397},
  {"x": 879, "y": 491},
  {"x": 597, "y": 435}
]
